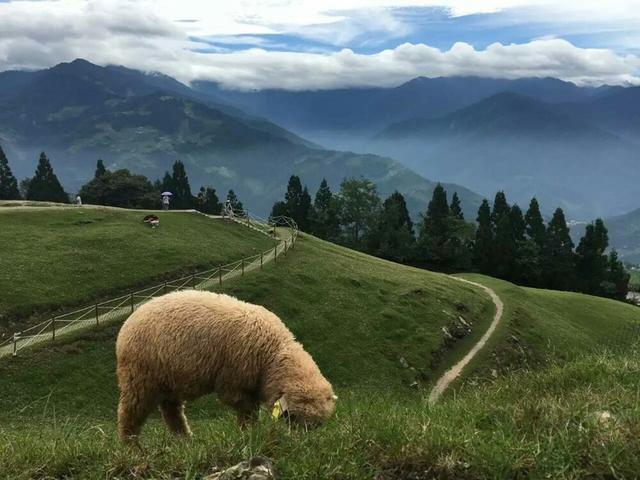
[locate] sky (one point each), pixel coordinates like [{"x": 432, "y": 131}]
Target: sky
[{"x": 303, "y": 44}]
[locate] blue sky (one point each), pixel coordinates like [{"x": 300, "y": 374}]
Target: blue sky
[{"x": 317, "y": 44}]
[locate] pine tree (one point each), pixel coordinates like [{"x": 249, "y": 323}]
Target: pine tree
[
  {"x": 456, "y": 209},
  {"x": 434, "y": 232},
  {"x": 500, "y": 208},
  {"x": 392, "y": 238},
  {"x": 536, "y": 230},
  {"x": 617, "y": 281},
  {"x": 483, "y": 245},
  {"x": 182, "y": 195},
  {"x": 236, "y": 205},
  {"x": 591, "y": 261},
  {"x": 45, "y": 186},
  {"x": 558, "y": 260},
  {"x": 100, "y": 169},
  {"x": 325, "y": 222},
  {"x": 8, "y": 183}
]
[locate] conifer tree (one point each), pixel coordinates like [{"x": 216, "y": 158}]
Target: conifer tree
[
  {"x": 325, "y": 222},
  {"x": 182, "y": 195},
  {"x": 535, "y": 224},
  {"x": 435, "y": 232},
  {"x": 500, "y": 207},
  {"x": 591, "y": 261},
  {"x": 8, "y": 183},
  {"x": 617, "y": 278},
  {"x": 558, "y": 262},
  {"x": 392, "y": 238},
  {"x": 100, "y": 169},
  {"x": 456, "y": 209},
  {"x": 358, "y": 204},
  {"x": 44, "y": 185},
  {"x": 483, "y": 245}
]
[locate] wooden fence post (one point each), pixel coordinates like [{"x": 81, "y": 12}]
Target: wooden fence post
[
  {"x": 193, "y": 281},
  {"x": 53, "y": 328},
  {"x": 285, "y": 248},
  {"x": 97, "y": 316},
  {"x": 242, "y": 267},
  {"x": 165, "y": 288},
  {"x": 131, "y": 298},
  {"x": 220, "y": 275},
  {"x": 16, "y": 335},
  {"x": 275, "y": 254},
  {"x": 261, "y": 259}
]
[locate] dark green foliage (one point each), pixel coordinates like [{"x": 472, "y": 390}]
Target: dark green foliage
[
  {"x": 8, "y": 183},
  {"x": 234, "y": 203},
  {"x": 359, "y": 204},
  {"x": 591, "y": 261},
  {"x": 456, "y": 209},
  {"x": 558, "y": 259},
  {"x": 535, "y": 224},
  {"x": 392, "y": 236},
  {"x": 500, "y": 207},
  {"x": 44, "y": 186},
  {"x": 325, "y": 222},
  {"x": 100, "y": 169},
  {"x": 182, "y": 197},
  {"x": 617, "y": 283},
  {"x": 208, "y": 202},
  {"x": 297, "y": 204},
  {"x": 120, "y": 189},
  {"x": 483, "y": 246},
  {"x": 443, "y": 238}
]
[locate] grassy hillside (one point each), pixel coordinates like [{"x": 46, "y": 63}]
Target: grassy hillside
[
  {"x": 358, "y": 315},
  {"x": 55, "y": 257}
]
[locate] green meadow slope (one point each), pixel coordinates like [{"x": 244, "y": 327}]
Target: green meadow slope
[
  {"x": 376, "y": 330},
  {"x": 58, "y": 257}
]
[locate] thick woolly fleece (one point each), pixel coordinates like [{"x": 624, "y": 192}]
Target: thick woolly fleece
[{"x": 187, "y": 344}]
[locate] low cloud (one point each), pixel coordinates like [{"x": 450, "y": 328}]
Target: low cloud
[{"x": 141, "y": 35}]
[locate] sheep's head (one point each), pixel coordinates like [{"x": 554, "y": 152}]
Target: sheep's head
[{"x": 306, "y": 397}]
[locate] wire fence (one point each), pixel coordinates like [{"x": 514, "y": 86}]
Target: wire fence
[{"x": 281, "y": 228}]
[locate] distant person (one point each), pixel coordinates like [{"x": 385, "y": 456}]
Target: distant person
[
  {"x": 78, "y": 201},
  {"x": 165, "y": 202}
]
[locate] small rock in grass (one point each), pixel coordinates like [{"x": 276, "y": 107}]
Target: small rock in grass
[{"x": 258, "y": 468}]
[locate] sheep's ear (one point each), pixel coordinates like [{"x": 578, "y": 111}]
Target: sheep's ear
[{"x": 335, "y": 397}]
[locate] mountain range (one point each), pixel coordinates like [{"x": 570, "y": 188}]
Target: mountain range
[
  {"x": 570, "y": 146},
  {"x": 79, "y": 112}
]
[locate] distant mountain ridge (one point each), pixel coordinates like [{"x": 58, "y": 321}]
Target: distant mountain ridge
[
  {"x": 526, "y": 147},
  {"x": 79, "y": 112}
]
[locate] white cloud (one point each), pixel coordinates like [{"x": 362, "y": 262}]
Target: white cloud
[{"x": 154, "y": 36}]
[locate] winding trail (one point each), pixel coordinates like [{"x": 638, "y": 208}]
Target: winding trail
[{"x": 450, "y": 375}]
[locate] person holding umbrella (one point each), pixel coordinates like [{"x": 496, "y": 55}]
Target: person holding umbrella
[{"x": 166, "y": 197}]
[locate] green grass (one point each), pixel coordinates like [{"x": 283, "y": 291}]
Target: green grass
[
  {"x": 59, "y": 257},
  {"x": 357, "y": 316},
  {"x": 542, "y": 325},
  {"x": 536, "y": 424}
]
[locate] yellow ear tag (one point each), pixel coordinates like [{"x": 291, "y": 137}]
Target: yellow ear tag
[{"x": 276, "y": 413}]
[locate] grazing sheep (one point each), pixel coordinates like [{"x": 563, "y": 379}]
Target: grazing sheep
[{"x": 187, "y": 344}]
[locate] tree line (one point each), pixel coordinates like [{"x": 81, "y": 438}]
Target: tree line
[
  {"x": 118, "y": 188},
  {"x": 505, "y": 242}
]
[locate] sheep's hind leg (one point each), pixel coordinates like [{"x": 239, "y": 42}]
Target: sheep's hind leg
[{"x": 173, "y": 415}]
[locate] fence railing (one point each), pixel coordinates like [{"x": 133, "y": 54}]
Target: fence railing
[{"x": 119, "y": 308}]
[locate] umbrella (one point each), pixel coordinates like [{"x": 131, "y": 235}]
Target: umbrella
[{"x": 166, "y": 193}]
